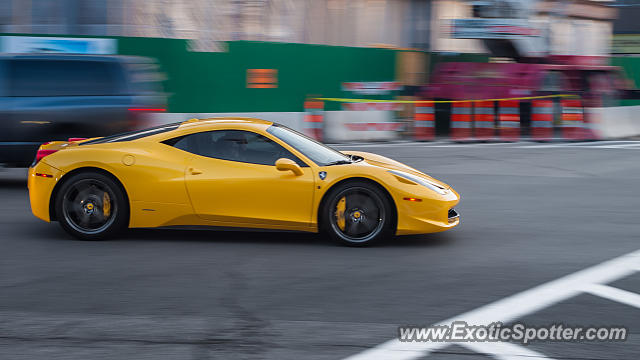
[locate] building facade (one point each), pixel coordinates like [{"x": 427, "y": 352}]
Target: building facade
[
  {"x": 566, "y": 27},
  {"x": 626, "y": 31},
  {"x": 563, "y": 27},
  {"x": 394, "y": 23}
]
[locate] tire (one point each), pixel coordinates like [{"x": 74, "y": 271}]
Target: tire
[
  {"x": 92, "y": 206},
  {"x": 367, "y": 212}
]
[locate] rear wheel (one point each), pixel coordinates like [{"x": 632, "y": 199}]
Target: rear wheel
[
  {"x": 357, "y": 214},
  {"x": 91, "y": 206}
]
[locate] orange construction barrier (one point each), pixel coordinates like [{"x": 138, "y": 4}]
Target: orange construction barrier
[
  {"x": 542, "y": 120},
  {"x": 572, "y": 120},
  {"x": 509, "y": 120},
  {"x": 424, "y": 121},
  {"x": 483, "y": 120},
  {"x": 313, "y": 119},
  {"x": 461, "y": 121}
]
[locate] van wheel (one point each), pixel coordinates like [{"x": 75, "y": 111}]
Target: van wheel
[{"x": 91, "y": 206}]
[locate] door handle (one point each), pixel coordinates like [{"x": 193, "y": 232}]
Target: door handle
[{"x": 194, "y": 171}]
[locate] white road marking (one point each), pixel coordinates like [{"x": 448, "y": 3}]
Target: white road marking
[
  {"x": 619, "y": 146},
  {"x": 513, "y": 307},
  {"x": 504, "y": 351},
  {"x": 456, "y": 145},
  {"x": 439, "y": 144},
  {"x": 615, "y": 294},
  {"x": 579, "y": 145},
  {"x": 392, "y": 144},
  {"x": 544, "y": 146},
  {"x": 601, "y": 142},
  {"x": 605, "y": 144}
]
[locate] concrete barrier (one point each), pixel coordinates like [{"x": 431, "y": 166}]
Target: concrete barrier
[
  {"x": 343, "y": 126},
  {"x": 615, "y": 122}
]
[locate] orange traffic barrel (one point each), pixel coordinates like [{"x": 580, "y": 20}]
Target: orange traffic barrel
[
  {"x": 542, "y": 120},
  {"x": 461, "y": 121},
  {"x": 509, "y": 120},
  {"x": 483, "y": 120},
  {"x": 572, "y": 119},
  {"x": 313, "y": 119},
  {"x": 424, "y": 124}
]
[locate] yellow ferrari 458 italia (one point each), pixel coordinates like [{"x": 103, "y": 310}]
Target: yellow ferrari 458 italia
[{"x": 232, "y": 172}]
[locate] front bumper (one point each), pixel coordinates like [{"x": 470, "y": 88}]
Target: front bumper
[
  {"x": 453, "y": 216},
  {"x": 431, "y": 215}
]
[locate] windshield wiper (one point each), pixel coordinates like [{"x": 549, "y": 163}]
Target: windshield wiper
[{"x": 339, "y": 162}]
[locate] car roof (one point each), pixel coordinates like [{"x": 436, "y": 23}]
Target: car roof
[
  {"x": 168, "y": 131},
  {"x": 217, "y": 121}
]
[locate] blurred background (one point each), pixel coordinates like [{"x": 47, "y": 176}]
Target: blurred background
[
  {"x": 96, "y": 67},
  {"x": 548, "y": 186}
]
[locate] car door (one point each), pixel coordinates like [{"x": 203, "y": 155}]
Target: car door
[{"x": 233, "y": 181}]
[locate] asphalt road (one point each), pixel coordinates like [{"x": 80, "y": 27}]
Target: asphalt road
[{"x": 530, "y": 214}]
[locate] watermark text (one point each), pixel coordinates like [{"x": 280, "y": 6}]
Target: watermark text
[{"x": 460, "y": 331}]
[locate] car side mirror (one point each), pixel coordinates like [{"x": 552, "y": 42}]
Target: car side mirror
[{"x": 284, "y": 164}]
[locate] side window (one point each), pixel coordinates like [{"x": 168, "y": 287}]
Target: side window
[{"x": 236, "y": 145}]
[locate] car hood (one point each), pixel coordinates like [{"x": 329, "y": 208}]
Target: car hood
[{"x": 390, "y": 164}]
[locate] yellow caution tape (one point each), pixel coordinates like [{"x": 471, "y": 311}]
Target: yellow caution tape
[{"x": 443, "y": 101}]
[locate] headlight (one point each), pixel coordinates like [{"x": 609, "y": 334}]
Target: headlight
[{"x": 422, "y": 181}]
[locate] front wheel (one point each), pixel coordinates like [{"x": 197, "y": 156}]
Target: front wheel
[
  {"x": 91, "y": 206},
  {"x": 357, "y": 214}
]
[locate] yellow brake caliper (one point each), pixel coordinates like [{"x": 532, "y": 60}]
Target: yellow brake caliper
[
  {"x": 340, "y": 208},
  {"x": 106, "y": 205}
]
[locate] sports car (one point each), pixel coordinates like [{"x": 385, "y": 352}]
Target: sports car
[{"x": 232, "y": 172}]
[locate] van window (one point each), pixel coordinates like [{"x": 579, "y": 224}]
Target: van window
[
  {"x": 30, "y": 77},
  {"x": 145, "y": 77}
]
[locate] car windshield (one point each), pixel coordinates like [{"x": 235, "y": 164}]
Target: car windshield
[{"x": 315, "y": 151}]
